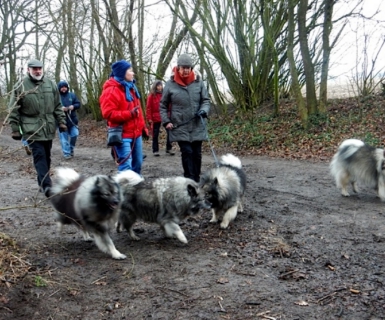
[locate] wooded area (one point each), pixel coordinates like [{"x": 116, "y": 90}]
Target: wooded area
[{"x": 249, "y": 52}]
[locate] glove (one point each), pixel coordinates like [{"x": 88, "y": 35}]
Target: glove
[
  {"x": 62, "y": 127},
  {"x": 145, "y": 134},
  {"x": 16, "y": 135},
  {"x": 201, "y": 113},
  {"x": 135, "y": 112}
]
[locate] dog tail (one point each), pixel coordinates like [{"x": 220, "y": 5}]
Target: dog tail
[
  {"x": 64, "y": 177},
  {"x": 231, "y": 160},
  {"x": 128, "y": 177}
]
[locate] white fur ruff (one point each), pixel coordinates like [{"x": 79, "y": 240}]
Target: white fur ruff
[{"x": 64, "y": 177}]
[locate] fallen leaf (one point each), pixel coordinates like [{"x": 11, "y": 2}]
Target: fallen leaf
[
  {"x": 354, "y": 291},
  {"x": 222, "y": 280},
  {"x": 301, "y": 303}
]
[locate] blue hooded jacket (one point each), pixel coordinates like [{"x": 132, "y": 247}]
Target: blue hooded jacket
[{"x": 67, "y": 99}]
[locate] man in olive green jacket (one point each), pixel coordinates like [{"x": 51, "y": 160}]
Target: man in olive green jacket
[{"x": 35, "y": 112}]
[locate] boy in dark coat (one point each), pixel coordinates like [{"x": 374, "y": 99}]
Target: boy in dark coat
[{"x": 70, "y": 103}]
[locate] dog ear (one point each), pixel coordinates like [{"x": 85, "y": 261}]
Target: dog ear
[{"x": 191, "y": 191}]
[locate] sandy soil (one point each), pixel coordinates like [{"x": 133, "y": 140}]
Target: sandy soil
[{"x": 299, "y": 250}]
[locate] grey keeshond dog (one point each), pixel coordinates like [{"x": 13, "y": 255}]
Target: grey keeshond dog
[
  {"x": 165, "y": 201},
  {"x": 224, "y": 187},
  {"x": 356, "y": 162},
  {"x": 91, "y": 204}
]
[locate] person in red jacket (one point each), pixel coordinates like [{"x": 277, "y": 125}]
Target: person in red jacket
[
  {"x": 154, "y": 119},
  {"x": 120, "y": 105}
]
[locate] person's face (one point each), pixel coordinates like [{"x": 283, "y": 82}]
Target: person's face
[
  {"x": 129, "y": 75},
  {"x": 36, "y": 72},
  {"x": 159, "y": 88},
  {"x": 184, "y": 71},
  {"x": 63, "y": 89}
]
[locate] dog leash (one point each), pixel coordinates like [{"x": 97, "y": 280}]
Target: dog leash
[
  {"x": 69, "y": 118},
  {"x": 126, "y": 158},
  {"x": 183, "y": 123},
  {"x": 129, "y": 155},
  {"x": 209, "y": 141}
]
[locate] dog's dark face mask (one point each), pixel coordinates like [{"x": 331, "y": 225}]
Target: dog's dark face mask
[
  {"x": 210, "y": 190},
  {"x": 106, "y": 194},
  {"x": 198, "y": 200}
]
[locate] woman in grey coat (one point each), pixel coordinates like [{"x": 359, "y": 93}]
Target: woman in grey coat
[{"x": 184, "y": 106}]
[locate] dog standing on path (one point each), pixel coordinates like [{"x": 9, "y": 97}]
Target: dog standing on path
[
  {"x": 92, "y": 204},
  {"x": 356, "y": 162},
  {"x": 224, "y": 188}
]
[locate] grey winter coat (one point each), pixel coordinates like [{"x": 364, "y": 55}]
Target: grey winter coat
[{"x": 180, "y": 104}]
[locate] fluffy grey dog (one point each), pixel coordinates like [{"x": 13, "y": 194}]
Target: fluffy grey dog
[
  {"x": 355, "y": 162},
  {"x": 91, "y": 204},
  {"x": 165, "y": 201},
  {"x": 224, "y": 188}
]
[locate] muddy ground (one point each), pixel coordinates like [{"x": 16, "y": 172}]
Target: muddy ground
[{"x": 298, "y": 251}]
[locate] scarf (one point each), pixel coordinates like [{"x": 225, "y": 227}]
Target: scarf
[
  {"x": 128, "y": 85},
  {"x": 183, "y": 81}
]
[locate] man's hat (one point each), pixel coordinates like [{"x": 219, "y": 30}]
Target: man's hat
[{"x": 34, "y": 63}]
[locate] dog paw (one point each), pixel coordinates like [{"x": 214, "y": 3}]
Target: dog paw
[
  {"x": 213, "y": 220},
  {"x": 345, "y": 193},
  {"x": 134, "y": 237},
  {"x": 119, "y": 256},
  {"x": 224, "y": 225}
]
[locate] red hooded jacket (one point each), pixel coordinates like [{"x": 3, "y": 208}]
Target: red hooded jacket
[
  {"x": 152, "y": 110},
  {"x": 117, "y": 110}
]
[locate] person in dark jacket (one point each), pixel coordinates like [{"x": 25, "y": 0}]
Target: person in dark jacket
[
  {"x": 120, "y": 105},
  {"x": 184, "y": 106},
  {"x": 35, "y": 110},
  {"x": 154, "y": 119},
  {"x": 70, "y": 104}
]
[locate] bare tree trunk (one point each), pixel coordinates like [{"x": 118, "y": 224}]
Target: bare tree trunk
[
  {"x": 327, "y": 28},
  {"x": 311, "y": 97},
  {"x": 37, "y": 56},
  {"x": 295, "y": 86},
  {"x": 174, "y": 39},
  {"x": 74, "y": 84}
]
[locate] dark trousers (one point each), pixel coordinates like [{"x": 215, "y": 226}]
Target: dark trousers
[
  {"x": 191, "y": 158},
  {"x": 41, "y": 152},
  {"x": 155, "y": 137}
]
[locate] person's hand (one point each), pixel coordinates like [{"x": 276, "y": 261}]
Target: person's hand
[
  {"x": 62, "y": 127},
  {"x": 201, "y": 113},
  {"x": 135, "y": 112},
  {"x": 169, "y": 126},
  {"x": 16, "y": 135},
  {"x": 65, "y": 109},
  {"x": 145, "y": 134},
  {"x": 71, "y": 107}
]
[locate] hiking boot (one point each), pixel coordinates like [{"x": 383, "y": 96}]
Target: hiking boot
[
  {"x": 156, "y": 154},
  {"x": 170, "y": 152},
  {"x": 67, "y": 157},
  {"x": 27, "y": 150}
]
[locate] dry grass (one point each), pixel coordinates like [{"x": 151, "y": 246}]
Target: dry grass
[{"x": 13, "y": 265}]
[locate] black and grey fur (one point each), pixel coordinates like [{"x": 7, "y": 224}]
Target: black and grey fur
[
  {"x": 356, "y": 162},
  {"x": 165, "y": 201},
  {"x": 92, "y": 204},
  {"x": 224, "y": 188}
]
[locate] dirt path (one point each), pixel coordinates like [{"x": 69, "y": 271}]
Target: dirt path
[{"x": 299, "y": 251}]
